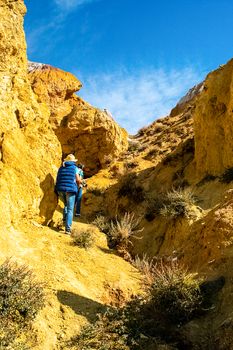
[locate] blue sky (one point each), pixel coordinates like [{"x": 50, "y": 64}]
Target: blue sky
[{"x": 135, "y": 58}]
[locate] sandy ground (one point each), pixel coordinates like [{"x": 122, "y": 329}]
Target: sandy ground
[{"x": 79, "y": 283}]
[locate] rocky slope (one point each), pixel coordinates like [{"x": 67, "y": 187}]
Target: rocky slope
[{"x": 190, "y": 150}]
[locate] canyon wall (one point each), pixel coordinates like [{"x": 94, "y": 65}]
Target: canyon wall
[
  {"x": 41, "y": 121},
  {"x": 30, "y": 151},
  {"x": 213, "y": 125}
]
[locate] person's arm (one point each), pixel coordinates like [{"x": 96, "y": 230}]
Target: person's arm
[{"x": 78, "y": 180}]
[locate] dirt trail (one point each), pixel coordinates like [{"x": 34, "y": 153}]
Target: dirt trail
[{"x": 79, "y": 283}]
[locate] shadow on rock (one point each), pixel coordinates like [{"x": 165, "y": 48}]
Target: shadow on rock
[
  {"x": 49, "y": 201},
  {"x": 81, "y": 305},
  {"x": 108, "y": 251}
]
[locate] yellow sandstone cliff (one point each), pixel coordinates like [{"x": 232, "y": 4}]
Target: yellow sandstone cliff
[
  {"x": 213, "y": 123},
  {"x": 30, "y": 151},
  {"x": 83, "y": 130}
]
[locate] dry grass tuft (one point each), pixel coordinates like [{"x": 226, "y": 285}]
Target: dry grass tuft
[
  {"x": 145, "y": 266},
  {"x": 102, "y": 223},
  {"x": 83, "y": 239},
  {"x": 124, "y": 228},
  {"x": 178, "y": 203}
]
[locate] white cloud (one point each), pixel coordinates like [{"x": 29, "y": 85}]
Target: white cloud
[
  {"x": 69, "y": 5},
  {"x": 46, "y": 31},
  {"x": 42, "y": 33},
  {"x": 136, "y": 100}
]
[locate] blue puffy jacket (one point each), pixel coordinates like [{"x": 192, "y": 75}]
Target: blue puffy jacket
[{"x": 66, "y": 178}]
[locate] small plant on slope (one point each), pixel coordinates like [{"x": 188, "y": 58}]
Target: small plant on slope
[
  {"x": 145, "y": 265},
  {"x": 175, "y": 293},
  {"x": 21, "y": 298},
  {"x": 178, "y": 203},
  {"x": 83, "y": 239},
  {"x": 101, "y": 222},
  {"x": 121, "y": 231}
]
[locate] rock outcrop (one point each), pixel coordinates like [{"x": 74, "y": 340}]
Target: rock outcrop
[
  {"x": 41, "y": 119},
  {"x": 213, "y": 123},
  {"x": 88, "y": 132},
  {"x": 30, "y": 151}
]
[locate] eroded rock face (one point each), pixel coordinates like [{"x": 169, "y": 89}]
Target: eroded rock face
[
  {"x": 29, "y": 149},
  {"x": 213, "y": 123},
  {"x": 86, "y": 131}
]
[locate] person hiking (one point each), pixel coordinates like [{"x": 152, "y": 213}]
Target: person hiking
[
  {"x": 79, "y": 194},
  {"x": 67, "y": 184}
]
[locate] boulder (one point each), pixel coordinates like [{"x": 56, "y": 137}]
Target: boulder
[{"x": 88, "y": 132}]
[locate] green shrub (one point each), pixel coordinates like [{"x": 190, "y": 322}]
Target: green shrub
[
  {"x": 134, "y": 146},
  {"x": 21, "y": 298},
  {"x": 152, "y": 321},
  {"x": 178, "y": 203},
  {"x": 83, "y": 239}
]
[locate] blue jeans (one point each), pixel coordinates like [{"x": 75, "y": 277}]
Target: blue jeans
[
  {"x": 68, "y": 198},
  {"x": 78, "y": 199}
]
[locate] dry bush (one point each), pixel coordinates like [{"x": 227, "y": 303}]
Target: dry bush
[
  {"x": 152, "y": 321},
  {"x": 83, "y": 239},
  {"x": 117, "y": 329},
  {"x": 178, "y": 203},
  {"x": 129, "y": 188},
  {"x": 121, "y": 230},
  {"x": 108, "y": 333},
  {"x": 102, "y": 223},
  {"x": 145, "y": 265},
  {"x": 142, "y": 131},
  {"x": 175, "y": 293},
  {"x": 21, "y": 298}
]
